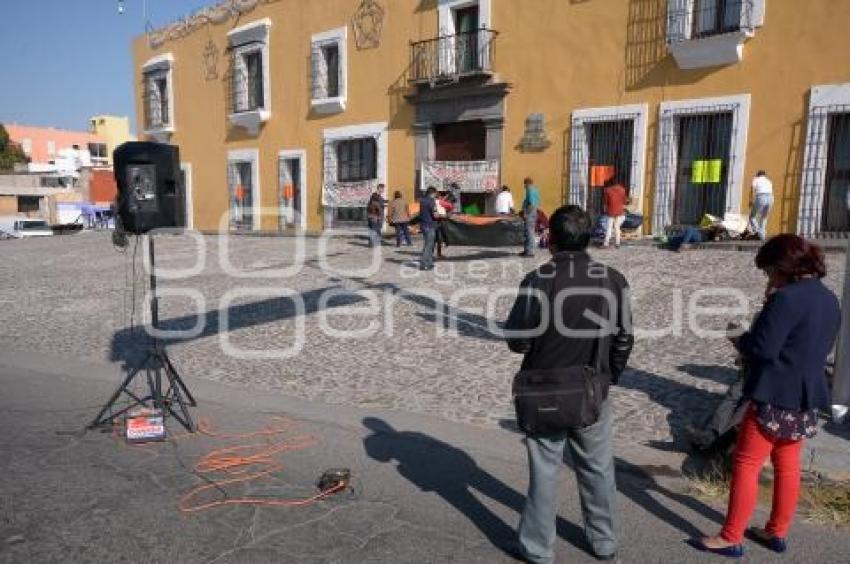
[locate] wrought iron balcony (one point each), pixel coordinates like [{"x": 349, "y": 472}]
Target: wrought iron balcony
[{"x": 451, "y": 57}]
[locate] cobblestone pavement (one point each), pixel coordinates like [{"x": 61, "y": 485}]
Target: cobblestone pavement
[{"x": 74, "y": 296}]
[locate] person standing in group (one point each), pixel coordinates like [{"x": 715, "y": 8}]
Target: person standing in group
[
  {"x": 762, "y": 203},
  {"x": 615, "y": 197},
  {"x": 400, "y": 218},
  {"x": 565, "y": 343},
  {"x": 427, "y": 210},
  {"x": 786, "y": 349},
  {"x": 505, "y": 202},
  {"x": 375, "y": 217},
  {"x": 445, "y": 206},
  {"x": 530, "y": 205}
]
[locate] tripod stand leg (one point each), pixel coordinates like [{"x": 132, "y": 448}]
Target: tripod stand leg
[
  {"x": 100, "y": 419},
  {"x": 175, "y": 377},
  {"x": 174, "y": 392}
]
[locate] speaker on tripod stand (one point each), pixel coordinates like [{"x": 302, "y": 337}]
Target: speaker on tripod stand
[{"x": 150, "y": 196}]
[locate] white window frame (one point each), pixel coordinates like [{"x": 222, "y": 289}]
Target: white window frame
[
  {"x": 301, "y": 155},
  {"x": 712, "y": 50},
  {"x": 187, "y": 188},
  {"x": 51, "y": 148},
  {"x": 332, "y": 136},
  {"x": 163, "y": 62},
  {"x": 252, "y": 156},
  {"x": 338, "y": 37},
  {"x": 639, "y": 115},
  {"x": 668, "y": 147},
  {"x": 250, "y": 38},
  {"x": 26, "y": 146},
  {"x": 813, "y": 180}
]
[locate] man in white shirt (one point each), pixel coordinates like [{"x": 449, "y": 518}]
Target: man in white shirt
[
  {"x": 505, "y": 202},
  {"x": 762, "y": 202}
]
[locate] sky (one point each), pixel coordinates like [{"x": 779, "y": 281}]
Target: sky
[{"x": 64, "y": 61}]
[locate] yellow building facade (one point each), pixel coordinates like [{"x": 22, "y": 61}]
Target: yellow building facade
[
  {"x": 289, "y": 113},
  {"x": 114, "y": 130}
]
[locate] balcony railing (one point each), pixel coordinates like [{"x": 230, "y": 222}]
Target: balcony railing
[{"x": 451, "y": 57}]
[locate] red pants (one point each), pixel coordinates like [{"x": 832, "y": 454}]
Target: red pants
[{"x": 753, "y": 448}]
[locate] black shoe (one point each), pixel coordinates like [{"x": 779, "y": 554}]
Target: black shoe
[
  {"x": 606, "y": 557},
  {"x": 527, "y": 255}
]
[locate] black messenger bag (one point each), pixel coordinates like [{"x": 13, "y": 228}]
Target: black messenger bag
[{"x": 552, "y": 401}]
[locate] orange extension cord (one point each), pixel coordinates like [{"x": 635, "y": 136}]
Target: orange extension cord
[{"x": 243, "y": 463}]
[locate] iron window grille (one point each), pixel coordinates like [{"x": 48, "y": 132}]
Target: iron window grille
[
  {"x": 327, "y": 76},
  {"x": 357, "y": 160},
  {"x": 697, "y": 154},
  {"x": 240, "y": 183},
  {"x": 697, "y": 19},
  {"x": 825, "y": 195},
  {"x": 602, "y": 141},
  {"x": 450, "y": 57},
  {"x": 248, "y": 76},
  {"x": 157, "y": 103}
]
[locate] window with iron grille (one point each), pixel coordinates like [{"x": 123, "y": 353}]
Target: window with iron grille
[
  {"x": 326, "y": 71},
  {"x": 357, "y": 160},
  {"x": 248, "y": 80},
  {"x": 700, "y": 166},
  {"x": 695, "y": 19},
  {"x": 157, "y": 103},
  {"x": 713, "y": 17},
  {"x": 609, "y": 159},
  {"x": 606, "y": 144},
  {"x": 825, "y": 191}
]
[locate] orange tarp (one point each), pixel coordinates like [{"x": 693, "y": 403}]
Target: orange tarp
[{"x": 600, "y": 174}]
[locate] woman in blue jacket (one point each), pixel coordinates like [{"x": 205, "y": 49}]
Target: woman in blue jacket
[{"x": 786, "y": 348}]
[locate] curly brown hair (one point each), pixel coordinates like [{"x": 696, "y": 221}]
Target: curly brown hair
[{"x": 792, "y": 257}]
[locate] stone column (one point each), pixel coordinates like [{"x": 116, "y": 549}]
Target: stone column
[
  {"x": 423, "y": 148},
  {"x": 841, "y": 385}
]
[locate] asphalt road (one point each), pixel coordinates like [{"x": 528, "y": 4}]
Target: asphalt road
[{"x": 425, "y": 489}]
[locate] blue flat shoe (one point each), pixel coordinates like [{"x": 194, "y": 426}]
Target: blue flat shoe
[
  {"x": 734, "y": 551},
  {"x": 776, "y": 544}
]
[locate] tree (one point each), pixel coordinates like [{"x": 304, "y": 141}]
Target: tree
[{"x": 10, "y": 153}]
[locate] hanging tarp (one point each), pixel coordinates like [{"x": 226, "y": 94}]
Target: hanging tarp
[
  {"x": 706, "y": 171},
  {"x": 470, "y": 176},
  {"x": 348, "y": 194},
  {"x": 484, "y": 231}
]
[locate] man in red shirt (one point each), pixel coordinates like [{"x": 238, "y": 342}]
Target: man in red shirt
[{"x": 615, "y": 197}]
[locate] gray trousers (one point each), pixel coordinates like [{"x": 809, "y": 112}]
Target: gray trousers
[
  {"x": 592, "y": 453},
  {"x": 429, "y": 237},
  {"x": 530, "y": 224}
]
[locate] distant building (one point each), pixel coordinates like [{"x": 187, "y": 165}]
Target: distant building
[
  {"x": 114, "y": 130},
  {"x": 44, "y": 145}
]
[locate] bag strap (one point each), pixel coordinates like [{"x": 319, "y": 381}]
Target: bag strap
[{"x": 597, "y": 345}]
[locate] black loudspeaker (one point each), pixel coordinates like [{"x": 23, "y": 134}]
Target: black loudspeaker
[{"x": 151, "y": 194}]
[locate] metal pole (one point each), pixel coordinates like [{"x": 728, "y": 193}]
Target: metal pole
[
  {"x": 841, "y": 382},
  {"x": 154, "y": 304}
]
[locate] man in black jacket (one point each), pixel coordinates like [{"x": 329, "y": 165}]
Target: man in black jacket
[{"x": 586, "y": 310}]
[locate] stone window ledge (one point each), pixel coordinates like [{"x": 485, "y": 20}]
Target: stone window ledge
[
  {"x": 328, "y": 105},
  {"x": 711, "y": 51},
  {"x": 251, "y": 120}
]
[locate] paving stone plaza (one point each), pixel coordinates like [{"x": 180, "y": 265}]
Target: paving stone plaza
[{"x": 357, "y": 327}]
